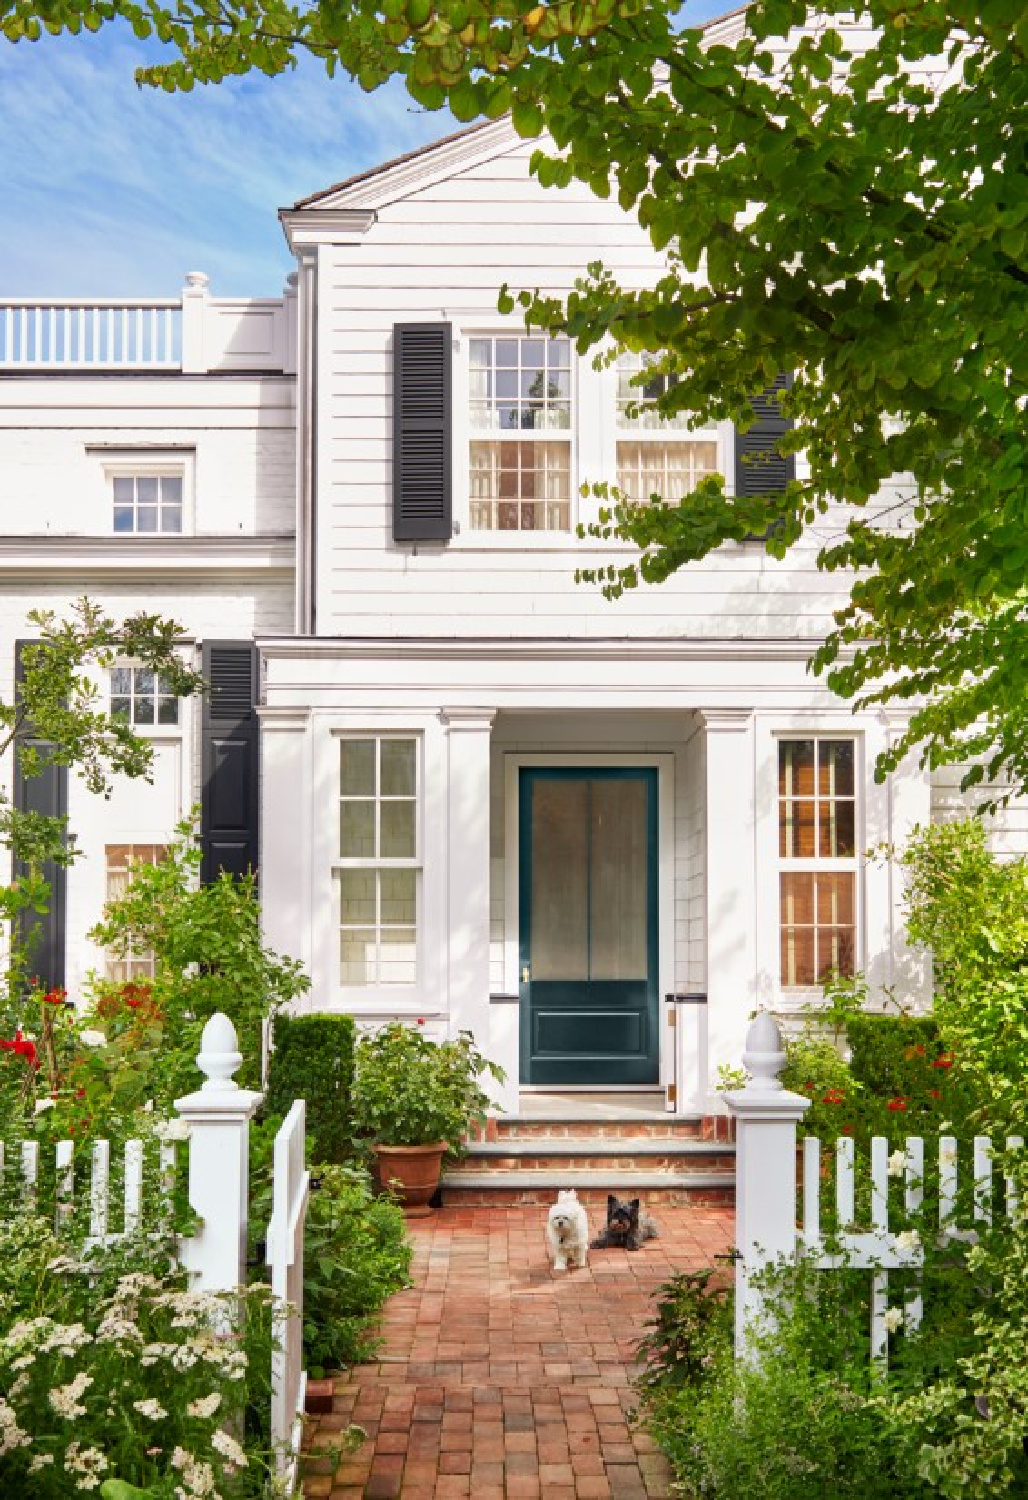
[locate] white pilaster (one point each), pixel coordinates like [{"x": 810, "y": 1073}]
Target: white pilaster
[
  {"x": 765, "y": 1174},
  {"x": 218, "y": 1116},
  {"x": 894, "y": 810},
  {"x": 285, "y": 854},
  {"x": 195, "y": 295},
  {"x": 468, "y": 732},
  {"x": 731, "y": 885}
]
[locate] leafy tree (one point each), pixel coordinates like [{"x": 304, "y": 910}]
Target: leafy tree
[
  {"x": 823, "y": 212},
  {"x": 59, "y": 701}
]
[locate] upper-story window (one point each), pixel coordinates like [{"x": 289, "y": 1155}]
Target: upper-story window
[
  {"x": 817, "y": 821},
  {"x": 147, "y": 503},
  {"x": 657, "y": 455},
  {"x": 521, "y": 415},
  {"x": 140, "y": 696}
]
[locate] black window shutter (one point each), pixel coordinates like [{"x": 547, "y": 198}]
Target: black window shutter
[
  {"x": 422, "y": 432},
  {"x": 229, "y": 803},
  {"x": 47, "y": 794},
  {"x": 759, "y": 470}
]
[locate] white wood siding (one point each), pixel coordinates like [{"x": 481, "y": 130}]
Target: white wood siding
[{"x": 441, "y": 253}]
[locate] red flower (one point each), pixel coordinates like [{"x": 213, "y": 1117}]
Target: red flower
[
  {"x": 133, "y": 1004},
  {"x": 943, "y": 1061},
  {"x": 847, "y": 1130},
  {"x": 832, "y": 1097},
  {"x": 897, "y": 1103},
  {"x": 55, "y": 997},
  {"x": 21, "y": 1045},
  {"x": 421, "y": 1020}
]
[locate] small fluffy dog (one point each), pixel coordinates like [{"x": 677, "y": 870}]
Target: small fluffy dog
[
  {"x": 567, "y": 1231},
  {"x": 627, "y": 1228}
]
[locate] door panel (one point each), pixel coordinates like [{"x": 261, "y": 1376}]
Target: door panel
[{"x": 588, "y": 940}]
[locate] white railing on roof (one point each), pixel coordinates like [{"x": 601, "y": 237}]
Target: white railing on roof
[
  {"x": 193, "y": 333},
  {"x": 82, "y": 334}
]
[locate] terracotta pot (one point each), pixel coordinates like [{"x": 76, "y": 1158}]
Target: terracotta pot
[{"x": 413, "y": 1174}]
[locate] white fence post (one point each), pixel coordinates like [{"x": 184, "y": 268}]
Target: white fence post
[
  {"x": 765, "y": 1172},
  {"x": 219, "y": 1117}
]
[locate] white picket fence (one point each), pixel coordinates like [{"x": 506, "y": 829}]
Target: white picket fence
[
  {"x": 766, "y": 1199},
  {"x": 218, "y": 1117}
]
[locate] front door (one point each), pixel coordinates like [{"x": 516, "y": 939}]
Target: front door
[{"x": 588, "y": 938}]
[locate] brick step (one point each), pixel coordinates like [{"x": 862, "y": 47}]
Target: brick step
[
  {"x": 600, "y": 1154},
  {"x": 466, "y": 1187}
]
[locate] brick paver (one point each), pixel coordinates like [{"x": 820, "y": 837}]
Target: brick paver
[{"x": 499, "y": 1377}]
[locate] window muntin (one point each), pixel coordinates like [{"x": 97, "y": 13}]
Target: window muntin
[
  {"x": 520, "y": 416},
  {"x": 378, "y": 868},
  {"x": 817, "y": 852},
  {"x": 147, "y": 503},
  {"x": 141, "y": 697},
  {"x": 657, "y": 455},
  {"x": 119, "y": 860}
]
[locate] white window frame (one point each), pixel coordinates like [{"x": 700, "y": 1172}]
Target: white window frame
[
  {"x": 383, "y": 992},
  {"x": 157, "y": 463},
  {"x": 146, "y": 731},
  {"x": 487, "y": 327},
  {"x": 662, "y": 433},
  {"x": 817, "y": 864},
  {"x": 131, "y": 956}
]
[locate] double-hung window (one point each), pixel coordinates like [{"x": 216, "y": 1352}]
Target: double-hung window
[
  {"x": 657, "y": 455},
  {"x": 520, "y": 417},
  {"x": 120, "y": 859},
  {"x": 817, "y": 830},
  {"x": 378, "y": 870}
]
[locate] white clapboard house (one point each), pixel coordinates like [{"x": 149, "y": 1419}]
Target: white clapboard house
[{"x": 596, "y": 835}]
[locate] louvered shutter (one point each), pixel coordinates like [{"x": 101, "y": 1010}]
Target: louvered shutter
[
  {"x": 759, "y": 470},
  {"x": 422, "y": 432},
  {"x": 229, "y": 804},
  {"x": 42, "y": 933}
]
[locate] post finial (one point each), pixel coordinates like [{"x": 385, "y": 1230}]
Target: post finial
[
  {"x": 764, "y": 1056},
  {"x": 219, "y": 1056}
]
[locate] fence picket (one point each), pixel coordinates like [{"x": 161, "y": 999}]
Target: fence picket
[
  {"x": 913, "y": 1201},
  {"x": 30, "y": 1166},
  {"x": 812, "y": 1187},
  {"x": 1010, "y": 1193},
  {"x": 133, "y": 1185},
  {"x": 983, "y": 1179},
  {"x": 947, "y": 1181},
  {"x": 880, "y": 1185},
  {"x": 99, "y": 1190},
  {"x": 65, "y": 1163},
  {"x": 844, "y": 1182}
]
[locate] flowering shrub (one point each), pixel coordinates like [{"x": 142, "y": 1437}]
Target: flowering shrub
[{"x": 111, "y": 1369}]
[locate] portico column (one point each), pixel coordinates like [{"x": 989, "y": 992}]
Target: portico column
[
  {"x": 731, "y": 886},
  {"x": 468, "y": 733},
  {"x": 285, "y": 852}
]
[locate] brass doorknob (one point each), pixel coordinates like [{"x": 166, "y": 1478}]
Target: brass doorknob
[{"x": 524, "y": 975}]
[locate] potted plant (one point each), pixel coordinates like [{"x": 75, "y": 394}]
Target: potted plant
[{"x": 415, "y": 1101}]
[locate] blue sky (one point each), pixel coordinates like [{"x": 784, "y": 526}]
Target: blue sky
[{"x": 112, "y": 190}]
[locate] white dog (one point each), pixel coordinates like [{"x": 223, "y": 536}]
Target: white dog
[{"x": 567, "y": 1231}]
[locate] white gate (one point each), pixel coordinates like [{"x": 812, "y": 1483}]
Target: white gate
[{"x": 285, "y": 1258}]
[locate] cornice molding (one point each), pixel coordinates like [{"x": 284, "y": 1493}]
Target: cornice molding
[
  {"x": 726, "y": 720},
  {"x": 308, "y": 227},
  {"x": 135, "y": 554},
  {"x": 543, "y": 649}
]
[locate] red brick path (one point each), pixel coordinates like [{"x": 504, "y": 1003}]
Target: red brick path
[{"x": 500, "y": 1377}]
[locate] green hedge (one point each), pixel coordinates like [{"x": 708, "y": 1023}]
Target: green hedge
[
  {"x": 313, "y": 1060},
  {"x": 893, "y": 1055}
]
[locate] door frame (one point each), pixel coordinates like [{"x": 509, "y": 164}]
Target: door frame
[{"x": 664, "y": 764}]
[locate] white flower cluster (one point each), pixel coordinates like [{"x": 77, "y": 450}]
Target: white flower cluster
[
  {"x": 89, "y": 1463},
  {"x": 224, "y": 1443},
  {"x": 64, "y": 1339},
  {"x": 11, "y": 1435},
  {"x": 117, "y": 1329},
  {"x": 897, "y": 1163},
  {"x": 90, "y": 1038},
  {"x": 65, "y": 1398},
  {"x": 893, "y": 1319},
  {"x": 150, "y": 1408},
  {"x": 204, "y": 1406},
  {"x": 197, "y": 1478},
  {"x": 172, "y": 1130},
  {"x": 908, "y": 1240}
]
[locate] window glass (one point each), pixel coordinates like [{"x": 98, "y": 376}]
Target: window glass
[
  {"x": 140, "y": 696},
  {"x": 521, "y": 418},
  {"x": 817, "y": 823}
]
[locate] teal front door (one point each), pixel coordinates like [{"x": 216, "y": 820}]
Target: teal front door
[{"x": 588, "y": 926}]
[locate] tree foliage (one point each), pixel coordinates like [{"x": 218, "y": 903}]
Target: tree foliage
[{"x": 823, "y": 211}]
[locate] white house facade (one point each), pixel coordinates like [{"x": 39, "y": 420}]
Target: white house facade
[{"x": 596, "y": 835}]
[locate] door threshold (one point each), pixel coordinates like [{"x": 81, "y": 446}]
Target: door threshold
[{"x": 592, "y": 1104}]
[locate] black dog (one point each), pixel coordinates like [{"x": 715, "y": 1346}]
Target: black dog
[{"x": 627, "y": 1226}]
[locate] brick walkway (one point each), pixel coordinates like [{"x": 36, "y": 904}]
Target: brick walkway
[{"x": 500, "y": 1377}]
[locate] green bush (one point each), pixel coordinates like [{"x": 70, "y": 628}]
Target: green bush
[{"x": 313, "y": 1060}]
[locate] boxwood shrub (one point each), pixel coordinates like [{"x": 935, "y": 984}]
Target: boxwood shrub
[{"x": 313, "y": 1060}]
